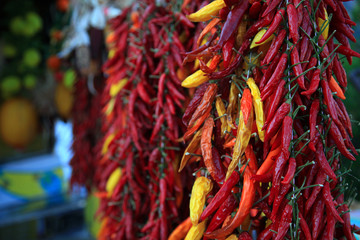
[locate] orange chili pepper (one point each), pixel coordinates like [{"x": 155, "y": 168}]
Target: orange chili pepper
[
  {"x": 246, "y": 104},
  {"x": 334, "y": 86},
  {"x": 268, "y": 161},
  {"x": 249, "y": 153},
  {"x": 207, "y": 29},
  {"x": 246, "y": 202},
  {"x": 181, "y": 230}
]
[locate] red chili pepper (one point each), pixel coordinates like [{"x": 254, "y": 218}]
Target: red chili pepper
[
  {"x": 234, "y": 64},
  {"x": 275, "y": 123},
  {"x": 223, "y": 13},
  {"x": 255, "y": 10},
  {"x": 317, "y": 218},
  {"x": 269, "y": 71},
  {"x": 320, "y": 179},
  {"x": 344, "y": 29},
  {"x": 246, "y": 104},
  {"x": 294, "y": 55},
  {"x": 336, "y": 136},
  {"x": 271, "y": 6},
  {"x": 214, "y": 169},
  {"x": 346, "y": 51},
  {"x": 322, "y": 161},
  {"x": 157, "y": 127},
  {"x": 345, "y": 216},
  {"x": 205, "y": 103},
  {"x": 277, "y": 173},
  {"x": 275, "y": 78},
  {"x": 221, "y": 195},
  {"x": 284, "y": 225},
  {"x": 304, "y": 227},
  {"x": 226, "y": 208},
  {"x": 314, "y": 84},
  {"x": 290, "y": 172},
  {"x": 310, "y": 177},
  {"x": 293, "y": 22},
  {"x": 343, "y": 110},
  {"x": 329, "y": 202},
  {"x": 227, "y": 51},
  {"x": 314, "y": 110},
  {"x": 273, "y": 26},
  {"x": 232, "y": 21},
  {"x": 274, "y": 47},
  {"x": 262, "y": 22},
  {"x": 194, "y": 103},
  {"x": 244, "y": 236},
  {"x": 246, "y": 202},
  {"x": 312, "y": 63},
  {"x": 264, "y": 178},
  {"x": 286, "y": 136},
  {"x": 284, "y": 189}
]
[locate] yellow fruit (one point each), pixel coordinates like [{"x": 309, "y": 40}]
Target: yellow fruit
[
  {"x": 18, "y": 122},
  {"x": 113, "y": 180},
  {"x": 64, "y": 100}
]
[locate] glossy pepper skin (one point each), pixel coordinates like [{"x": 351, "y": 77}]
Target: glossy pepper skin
[
  {"x": 201, "y": 188},
  {"x": 226, "y": 208},
  {"x": 246, "y": 202},
  {"x": 273, "y": 26},
  {"x": 221, "y": 195},
  {"x": 258, "y": 107}
]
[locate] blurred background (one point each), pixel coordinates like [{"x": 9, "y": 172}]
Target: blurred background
[{"x": 51, "y": 54}]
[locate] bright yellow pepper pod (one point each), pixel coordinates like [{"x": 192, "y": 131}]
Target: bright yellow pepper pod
[
  {"x": 208, "y": 12},
  {"x": 242, "y": 140},
  {"x": 324, "y": 25},
  {"x": 202, "y": 186},
  {"x": 107, "y": 142},
  {"x": 116, "y": 87},
  {"x": 258, "y": 37},
  {"x": 196, "y": 232},
  {"x": 221, "y": 111},
  {"x": 258, "y": 107},
  {"x": 112, "y": 181},
  {"x": 232, "y": 237},
  {"x": 195, "y": 79}
]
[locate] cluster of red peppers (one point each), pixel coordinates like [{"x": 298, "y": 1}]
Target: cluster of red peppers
[
  {"x": 267, "y": 124},
  {"x": 85, "y": 119},
  {"x": 142, "y": 194}
]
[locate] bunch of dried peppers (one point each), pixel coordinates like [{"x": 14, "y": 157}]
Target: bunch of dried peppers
[
  {"x": 137, "y": 177},
  {"x": 267, "y": 124},
  {"x": 86, "y": 128}
]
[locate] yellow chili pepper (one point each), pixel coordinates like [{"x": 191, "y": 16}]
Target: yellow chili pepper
[
  {"x": 258, "y": 107},
  {"x": 232, "y": 237},
  {"x": 207, "y": 12},
  {"x": 220, "y": 108},
  {"x": 108, "y": 109},
  {"x": 242, "y": 140},
  {"x": 107, "y": 142},
  {"x": 191, "y": 148},
  {"x": 232, "y": 107},
  {"x": 197, "y": 78},
  {"x": 196, "y": 232},
  {"x": 202, "y": 186},
  {"x": 258, "y": 36},
  {"x": 115, "y": 88},
  {"x": 324, "y": 25},
  {"x": 112, "y": 181}
]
